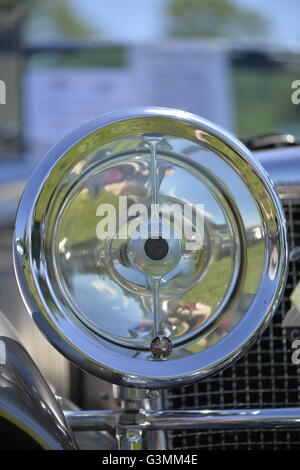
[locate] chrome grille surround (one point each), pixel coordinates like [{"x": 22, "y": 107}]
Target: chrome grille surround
[{"x": 263, "y": 378}]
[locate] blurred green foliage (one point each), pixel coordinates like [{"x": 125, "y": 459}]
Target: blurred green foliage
[
  {"x": 263, "y": 102},
  {"x": 105, "y": 56},
  {"x": 213, "y": 18},
  {"x": 14, "y": 3},
  {"x": 61, "y": 15},
  {"x": 66, "y": 19}
]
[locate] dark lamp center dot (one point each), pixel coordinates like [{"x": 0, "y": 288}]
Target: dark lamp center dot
[{"x": 156, "y": 248}]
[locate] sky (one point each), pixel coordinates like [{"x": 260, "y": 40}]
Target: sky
[
  {"x": 133, "y": 21},
  {"x": 126, "y": 20},
  {"x": 283, "y": 17},
  {"x": 144, "y": 20}
]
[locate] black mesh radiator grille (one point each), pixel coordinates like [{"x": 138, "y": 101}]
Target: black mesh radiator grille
[{"x": 264, "y": 378}]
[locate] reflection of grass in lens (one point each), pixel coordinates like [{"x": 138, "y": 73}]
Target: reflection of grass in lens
[
  {"x": 212, "y": 288},
  {"x": 256, "y": 255},
  {"x": 256, "y": 258},
  {"x": 79, "y": 220},
  {"x": 211, "y": 291}
]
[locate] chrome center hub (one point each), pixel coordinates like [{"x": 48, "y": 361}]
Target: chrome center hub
[{"x": 154, "y": 248}]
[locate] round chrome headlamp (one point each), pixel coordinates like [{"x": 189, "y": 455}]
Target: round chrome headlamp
[{"x": 150, "y": 247}]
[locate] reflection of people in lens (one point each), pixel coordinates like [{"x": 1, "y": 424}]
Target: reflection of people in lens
[
  {"x": 187, "y": 317},
  {"x": 132, "y": 179}
]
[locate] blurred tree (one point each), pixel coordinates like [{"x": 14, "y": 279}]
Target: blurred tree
[
  {"x": 13, "y": 3},
  {"x": 66, "y": 20},
  {"x": 58, "y": 17},
  {"x": 213, "y": 18}
]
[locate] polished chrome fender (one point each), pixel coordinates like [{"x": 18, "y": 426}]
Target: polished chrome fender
[{"x": 30, "y": 415}]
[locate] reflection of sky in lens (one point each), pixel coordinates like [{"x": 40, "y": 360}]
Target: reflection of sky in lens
[{"x": 184, "y": 185}]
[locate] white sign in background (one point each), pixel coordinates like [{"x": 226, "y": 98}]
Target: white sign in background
[
  {"x": 60, "y": 99},
  {"x": 191, "y": 76}
]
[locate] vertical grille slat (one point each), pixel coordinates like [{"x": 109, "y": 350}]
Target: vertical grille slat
[{"x": 263, "y": 378}]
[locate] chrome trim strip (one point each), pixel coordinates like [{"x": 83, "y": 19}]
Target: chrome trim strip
[
  {"x": 189, "y": 419},
  {"x": 102, "y": 420}
]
